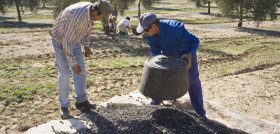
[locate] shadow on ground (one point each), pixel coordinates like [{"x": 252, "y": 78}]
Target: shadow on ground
[
  {"x": 165, "y": 9},
  {"x": 12, "y": 24},
  {"x": 259, "y": 31},
  {"x": 207, "y": 6},
  {"x": 3, "y": 18}
]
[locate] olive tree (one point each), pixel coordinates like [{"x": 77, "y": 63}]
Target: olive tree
[
  {"x": 146, "y": 4},
  {"x": 121, "y": 5},
  {"x": 20, "y": 6},
  {"x": 256, "y": 9},
  {"x": 261, "y": 8},
  {"x": 44, "y": 2},
  {"x": 198, "y": 3},
  {"x": 61, "y": 4}
]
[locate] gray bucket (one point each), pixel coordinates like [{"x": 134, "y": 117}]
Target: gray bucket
[{"x": 164, "y": 78}]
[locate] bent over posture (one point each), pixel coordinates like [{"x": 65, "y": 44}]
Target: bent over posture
[
  {"x": 71, "y": 28},
  {"x": 124, "y": 26},
  {"x": 170, "y": 37}
]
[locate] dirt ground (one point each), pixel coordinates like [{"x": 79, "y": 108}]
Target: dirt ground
[{"x": 247, "y": 80}]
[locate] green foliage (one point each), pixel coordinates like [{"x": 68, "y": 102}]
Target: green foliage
[
  {"x": 3, "y": 4},
  {"x": 260, "y": 8},
  {"x": 20, "y": 5},
  {"x": 256, "y": 9},
  {"x": 121, "y": 5},
  {"x": 44, "y": 2},
  {"x": 198, "y": 3},
  {"x": 62, "y": 4},
  {"x": 148, "y": 3},
  {"x": 30, "y": 4},
  {"x": 229, "y": 7}
]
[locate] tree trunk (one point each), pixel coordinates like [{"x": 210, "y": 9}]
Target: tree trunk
[
  {"x": 44, "y": 3},
  {"x": 18, "y": 10},
  {"x": 115, "y": 11},
  {"x": 139, "y": 12},
  {"x": 241, "y": 14},
  {"x": 209, "y": 7}
]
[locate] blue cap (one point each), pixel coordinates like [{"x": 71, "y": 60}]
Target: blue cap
[{"x": 145, "y": 19}]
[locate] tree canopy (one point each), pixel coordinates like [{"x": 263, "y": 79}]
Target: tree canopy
[
  {"x": 258, "y": 10},
  {"x": 198, "y": 3},
  {"x": 20, "y": 5},
  {"x": 121, "y": 5},
  {"x": 261, "y": 8},
  {"x": 61, "y": 4},
  {"x": 117, "y": 5},
  {"x": 146, "y": 4}
]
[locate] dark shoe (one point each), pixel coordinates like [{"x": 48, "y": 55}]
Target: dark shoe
[
  {"x": 155, "y": 102},
  {"x": 64, "y": 113},
  {"x": 85, "y": 106}
]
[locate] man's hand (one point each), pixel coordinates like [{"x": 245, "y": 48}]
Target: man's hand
[
  {"x": 188, "y": 56},
  {"x": 50, "y": 33},
  {"x": 87, "y": 51},
  {"x": 76, "y": 69}
]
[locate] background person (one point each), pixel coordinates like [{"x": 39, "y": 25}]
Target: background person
[
  {"x": 170, "y": 37},
  {"x": 73, "y": 26},
  {"x": 112, "y": 24},
  {"x": 124, "y": 26}
]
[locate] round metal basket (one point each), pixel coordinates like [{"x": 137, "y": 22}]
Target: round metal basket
[{"x": 164, "y": 78}]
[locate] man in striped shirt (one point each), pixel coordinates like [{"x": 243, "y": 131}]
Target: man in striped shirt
[{"x": 71, "y": 28}]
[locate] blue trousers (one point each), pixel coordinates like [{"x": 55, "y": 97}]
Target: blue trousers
[
  {"x": 195, "y": 90},
  {"x": 64, "y": 75}
]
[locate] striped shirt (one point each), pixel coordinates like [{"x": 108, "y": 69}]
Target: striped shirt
[{"x": 72, "y": 26}]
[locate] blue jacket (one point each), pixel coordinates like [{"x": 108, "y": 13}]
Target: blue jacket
[{"x": 173, "y": 39}]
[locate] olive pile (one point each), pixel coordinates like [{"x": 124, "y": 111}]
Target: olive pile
[{"x": 149, "y": 120}]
